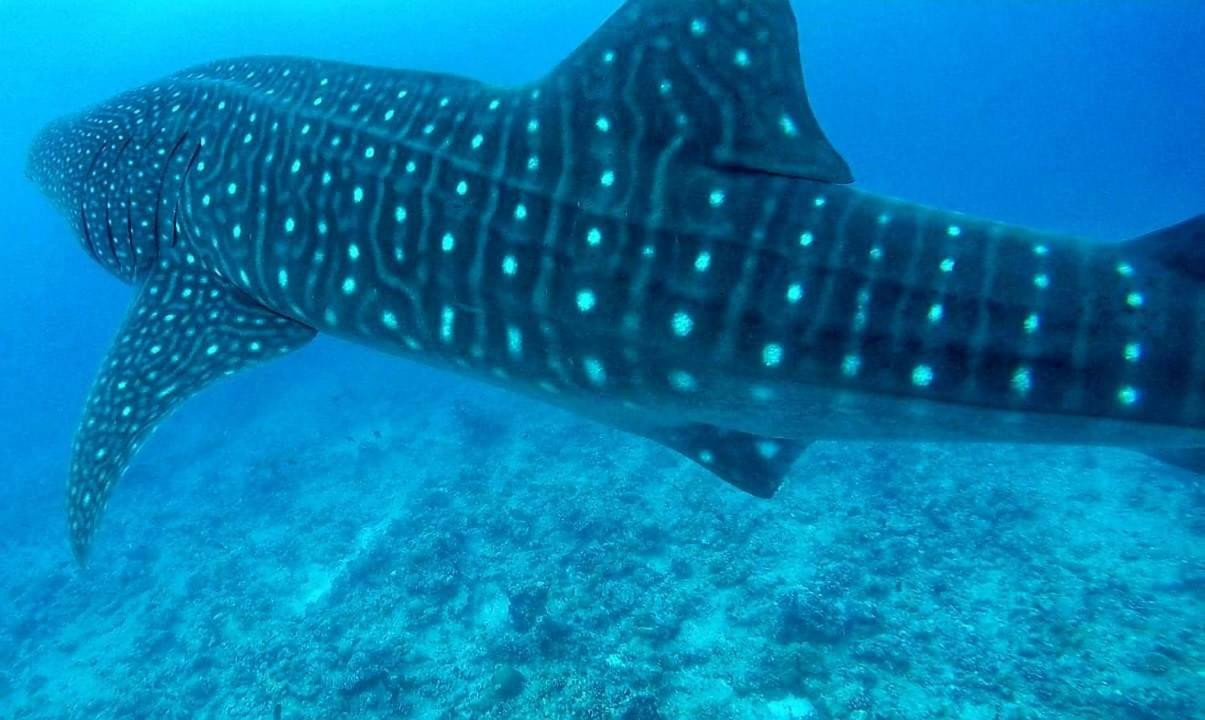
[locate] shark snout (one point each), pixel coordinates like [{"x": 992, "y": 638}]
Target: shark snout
[
  {"x": 48, "y": 165},
  {"x": 58, "y": 157},
  {"x": 35, "y": 159}
]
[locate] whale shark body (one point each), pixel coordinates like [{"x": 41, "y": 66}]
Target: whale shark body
[{"x": 656, "y": 235}]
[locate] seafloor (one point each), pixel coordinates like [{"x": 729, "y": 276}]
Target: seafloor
[{"x": 407, "y": 547}]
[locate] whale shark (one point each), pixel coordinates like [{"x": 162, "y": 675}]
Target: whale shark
[{"x": 656, "y": 235}]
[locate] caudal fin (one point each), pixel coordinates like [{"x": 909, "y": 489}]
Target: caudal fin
[{"x": 1180, "y": 248}]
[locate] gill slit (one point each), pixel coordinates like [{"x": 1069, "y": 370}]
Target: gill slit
[
  {"x": 192, "y": 161},
  {"x": 83, "y": 214},
  {"x": 129, "y": 219},
  {"x": 83, "y": 218},
  {"x": 167, "y": 165},
  {"x": 112, "y": 240},
  {"x": 109, "y": 234}
]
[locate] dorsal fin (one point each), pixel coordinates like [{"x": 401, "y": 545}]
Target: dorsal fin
[{"x": 723, "y": 76}]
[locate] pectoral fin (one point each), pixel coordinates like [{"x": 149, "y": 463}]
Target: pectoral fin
[{"x": 186, "y": 329}]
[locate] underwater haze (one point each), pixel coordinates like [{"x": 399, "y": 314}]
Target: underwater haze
[{"x": 344, "y": 533}]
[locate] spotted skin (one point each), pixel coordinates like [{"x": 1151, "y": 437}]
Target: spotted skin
[
  {"x": 186, "y": 329},
  {"x": 656, "y": 235}
]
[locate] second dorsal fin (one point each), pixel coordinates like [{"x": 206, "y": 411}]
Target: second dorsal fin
[
  {"x": 754, "y": 464},
  {"x": 723, "y": 76}
]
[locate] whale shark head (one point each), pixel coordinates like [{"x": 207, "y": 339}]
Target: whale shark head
[{"x": 114, "y": 176}]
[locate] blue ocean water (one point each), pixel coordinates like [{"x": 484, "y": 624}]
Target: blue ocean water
[{"x": 343, "y": 534}]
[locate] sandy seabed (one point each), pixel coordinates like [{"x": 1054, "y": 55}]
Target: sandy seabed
[{"x": 436, "y": 549}]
